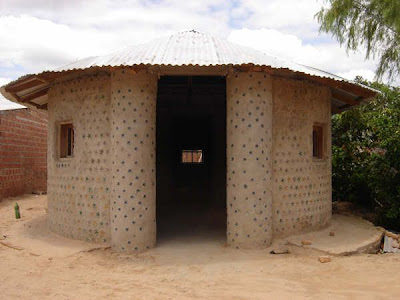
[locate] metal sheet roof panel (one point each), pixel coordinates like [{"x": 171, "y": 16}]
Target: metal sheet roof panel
[{"x": 188, "y": 48}]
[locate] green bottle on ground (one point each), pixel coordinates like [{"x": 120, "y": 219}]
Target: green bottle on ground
[{"x": 17, "y": 213}]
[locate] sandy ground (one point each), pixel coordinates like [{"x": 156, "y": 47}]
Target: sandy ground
[{"x": 35, "y": 264}]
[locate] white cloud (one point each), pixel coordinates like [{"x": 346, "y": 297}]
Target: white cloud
[
  {"x": 7, "y": 105},
  {"x": 4, "y": 81},
  {"x": 364, "y": 73},
  {"x": 103, "y": 13},
  {"x": 41, "y": 34},
  {"x": 273, "y": 42},
  {"x": 4, "y": 103},
  {"x": 325, "y": 56},
  {"x": 287, "y": 16},
  {"x": 34, "y": 44},
  {"x": 49, "y": 38}
]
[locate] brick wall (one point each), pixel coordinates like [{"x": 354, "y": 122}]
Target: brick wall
[{"x": 23, "y": 149}]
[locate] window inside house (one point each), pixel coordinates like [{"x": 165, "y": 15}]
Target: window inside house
[
  {"x": 192, "y": 156},
  {"x": 318, "y": 140},
  {"x": 66, "y": 140}
]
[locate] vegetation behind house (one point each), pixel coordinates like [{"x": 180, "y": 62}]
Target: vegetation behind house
[{"x": 366, "y": 155}]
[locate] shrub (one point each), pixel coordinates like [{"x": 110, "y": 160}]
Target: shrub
[{"x": 366, "y": 155}]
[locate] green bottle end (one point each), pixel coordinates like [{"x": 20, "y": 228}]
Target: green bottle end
[{"x": 17, "y": 213}]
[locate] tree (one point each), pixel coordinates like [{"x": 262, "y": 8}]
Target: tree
[
  {"x": 374, "y": 24},
  {"x": 366, "y": 155}
]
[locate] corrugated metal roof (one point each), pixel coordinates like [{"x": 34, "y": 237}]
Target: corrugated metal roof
[
  {"x": 188, "y": 48},
  {"x": 191, "y": 48}
]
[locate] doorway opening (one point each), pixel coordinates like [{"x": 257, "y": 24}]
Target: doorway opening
[{"x": 191, "y": 157}]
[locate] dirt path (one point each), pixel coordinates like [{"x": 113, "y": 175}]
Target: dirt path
[{"x": 179, "y": 269}]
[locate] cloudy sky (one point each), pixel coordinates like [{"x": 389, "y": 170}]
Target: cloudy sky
[{"x": 37, "y": 35}]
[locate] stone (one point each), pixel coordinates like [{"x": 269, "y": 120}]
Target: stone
[
  {"x": 280, "y": 249},
  {"x": 324, "y": 259},
  {"x": 395, "y": 244},
  {"x": 306, "y": 242},
  {"x": 392, "y": 235},
  {"x": 331, "y": 233}
]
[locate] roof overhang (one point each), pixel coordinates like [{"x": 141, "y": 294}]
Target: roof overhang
[
  {"x": 32, "y": 90},
  {"x": 186, "y": 53}
]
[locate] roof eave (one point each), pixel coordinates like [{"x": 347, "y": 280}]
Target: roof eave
[{"x": 29, "y": 88}]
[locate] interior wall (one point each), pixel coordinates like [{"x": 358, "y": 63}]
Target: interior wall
[
  {"x": 79, "y": 187},
  {"x": 302, "y": 184}
]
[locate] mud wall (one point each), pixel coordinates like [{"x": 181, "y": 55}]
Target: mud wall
[
  {"x": 301, "y": 184},
  {"x": 249, "y": 148},
  {"x": 79, "y": 187},
  {"x": 133, "y": 132},
  {"x": 106, "y": 191}
]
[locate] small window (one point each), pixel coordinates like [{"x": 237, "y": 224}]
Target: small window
[
  {"x": 318, "y": 141},
  {"x": 66, "y": 140},
  {"x": 192, "y": 156}
]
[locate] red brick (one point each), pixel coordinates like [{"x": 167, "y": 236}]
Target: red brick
[{"x": 23, "y": 151}]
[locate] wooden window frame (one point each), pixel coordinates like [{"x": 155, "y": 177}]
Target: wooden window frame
[
  {"x": 318, "y": 140},
  {"x": 65, "y": 140},
  {"x": 191, "y": 153}
]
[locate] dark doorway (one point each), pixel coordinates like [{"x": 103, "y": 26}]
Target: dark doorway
[{"x": 191, "y": 157}]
